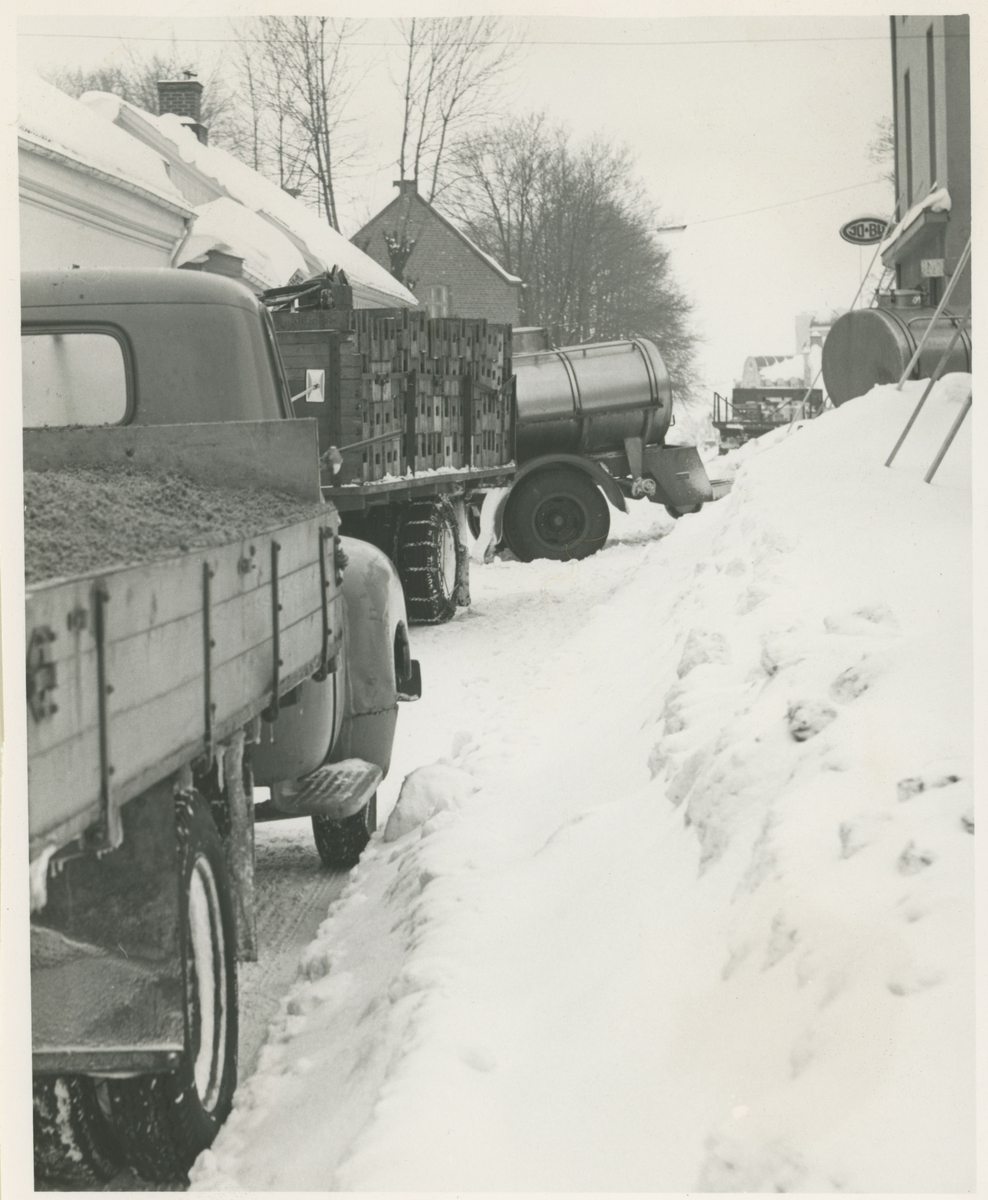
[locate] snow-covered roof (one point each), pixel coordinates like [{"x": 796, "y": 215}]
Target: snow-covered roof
[
  {"x": 249, "y": 188},
  {"x": 49, "y": 121},
  {"x": 938, "y": 201},
  {"x": 270, "y": 259}
]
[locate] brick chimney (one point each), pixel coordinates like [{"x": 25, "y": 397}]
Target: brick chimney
[
  {"x": 184, "y": 98},
  {"x": 406, "y": 187}
]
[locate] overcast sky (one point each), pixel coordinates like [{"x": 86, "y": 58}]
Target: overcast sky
[{"x": 722, "y": 115}]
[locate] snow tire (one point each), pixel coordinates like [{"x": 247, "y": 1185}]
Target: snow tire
[
  {"x": 163, "y": 1122},
  {"x": 556, "y": 513},
  {"x": 341, "y": 843},
  {"x": 427, "y": 554}
]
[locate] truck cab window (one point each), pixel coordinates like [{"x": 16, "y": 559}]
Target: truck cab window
[{"x": 73, "y": 377}]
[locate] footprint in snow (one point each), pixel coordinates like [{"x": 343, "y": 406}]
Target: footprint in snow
[
  {"x": 853, "y": 682},
  {"x": 807, "y": 718},
  {"x": 876, "y": 620},
  {"x": 750, "y": 599},
  {"x": 907, "y": 788},
  {"x": 703, "y": 646},
  {"x": 911, "y": 861}
]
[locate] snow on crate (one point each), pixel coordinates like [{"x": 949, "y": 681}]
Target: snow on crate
[{"x": 706, "y": 922}]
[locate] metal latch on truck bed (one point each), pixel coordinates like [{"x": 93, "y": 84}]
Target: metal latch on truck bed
[{"x": 42, "y": 678}]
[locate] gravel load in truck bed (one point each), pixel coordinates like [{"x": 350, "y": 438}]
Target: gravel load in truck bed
[{"x": 90, "y": 519}]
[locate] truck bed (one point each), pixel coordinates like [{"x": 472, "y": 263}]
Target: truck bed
[
  {"x": 134, "y": 672},
  {"x": 354, "y": 496}
]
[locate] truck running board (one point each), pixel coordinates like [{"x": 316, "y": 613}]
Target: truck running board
[{"x": 337, "y": 791}]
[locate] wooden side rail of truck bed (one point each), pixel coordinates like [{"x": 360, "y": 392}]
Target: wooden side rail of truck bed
[{"x": 135, "y": 671}]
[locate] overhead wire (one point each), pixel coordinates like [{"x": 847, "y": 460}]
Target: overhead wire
[
  {"x": 744, "y": 41},
  {"x": 784, "y": 203}
]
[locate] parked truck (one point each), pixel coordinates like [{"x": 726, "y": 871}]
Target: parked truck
[
  {"x": 754, "y": 411},
  {"x": 161, "y": 692},
  {"x": 424, "y": 416}
]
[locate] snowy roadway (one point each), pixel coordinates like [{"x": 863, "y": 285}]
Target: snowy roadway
[{"x": 682, "y": 898}]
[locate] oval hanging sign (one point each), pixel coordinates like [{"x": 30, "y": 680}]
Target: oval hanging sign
[{"x": 864, "y": 231}]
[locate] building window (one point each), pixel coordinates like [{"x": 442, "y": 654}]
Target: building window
[
  {"x": 931, "y": 105},
  {"x": 908, "y": 106},
  {"x": 437, "y": 300}
]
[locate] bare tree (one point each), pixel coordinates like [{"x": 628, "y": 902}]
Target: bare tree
[
  {"x": 299, "y": 83},
  {"x": 295, "y": 78},
  {"x": 451, "y": 68},
  {"x": 881, "y": 148},
  {"x": 578, "y": 228},
  {"x": 136, "y": 81}
]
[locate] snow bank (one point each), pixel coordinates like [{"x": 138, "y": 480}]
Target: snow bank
[
  {"x": 439, "y": 787},
  {"x": 707, "y": 922}
]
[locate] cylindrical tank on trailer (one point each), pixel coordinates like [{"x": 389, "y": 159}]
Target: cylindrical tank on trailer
[
  {"x": 871, "y": 346},
  {"x": 587, "y": 399}
]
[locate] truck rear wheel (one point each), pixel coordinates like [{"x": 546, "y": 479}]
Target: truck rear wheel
[
  {"x": 427, "y": 552},
  {"x": 341, "y": 843},
  {"x": 163, "y": 1122},
  {"x": 556, "y": 513},
  {"x": 74, "y": 1149}
]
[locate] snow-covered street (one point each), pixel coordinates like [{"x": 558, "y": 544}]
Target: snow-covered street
[{"x": 681, "y": 897}]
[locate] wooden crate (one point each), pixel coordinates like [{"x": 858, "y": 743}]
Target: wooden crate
[{"x": 439, "y": 375}]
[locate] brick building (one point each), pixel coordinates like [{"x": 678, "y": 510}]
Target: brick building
[
  {"x": 932, "y": 116},
  {"x": 449, "y": 275}
]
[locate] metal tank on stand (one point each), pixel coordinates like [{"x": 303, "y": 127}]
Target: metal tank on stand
[{"x": 871, "y": 346}]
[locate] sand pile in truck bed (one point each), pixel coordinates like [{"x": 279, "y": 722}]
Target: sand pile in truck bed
[{"x": 89, "y": 519}]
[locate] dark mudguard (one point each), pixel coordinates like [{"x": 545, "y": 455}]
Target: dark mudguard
[{"x": 106, "y": 967}]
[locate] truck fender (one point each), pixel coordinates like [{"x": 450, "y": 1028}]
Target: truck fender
[
  {"x": 375, "y": 636},
  {"x": 680, "y": 476},
  {"x": 607, "y": 483}
]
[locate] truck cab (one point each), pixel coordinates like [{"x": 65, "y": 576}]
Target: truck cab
[{"x": 148, "y": 347}]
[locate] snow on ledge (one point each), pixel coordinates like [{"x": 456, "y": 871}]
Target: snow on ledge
[
  {"x": 270, "y": 258},
  {"x": 938, "y": 201}
]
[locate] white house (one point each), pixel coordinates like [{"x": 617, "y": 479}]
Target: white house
[
  {"x": 104, "y": 183},
  {"x": 90, "y": 195}
]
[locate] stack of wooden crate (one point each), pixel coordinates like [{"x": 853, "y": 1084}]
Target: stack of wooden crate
[{"x": 430, "y": 392}]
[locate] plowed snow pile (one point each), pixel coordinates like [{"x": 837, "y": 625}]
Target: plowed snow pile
[{"x": 693, "y": 909}]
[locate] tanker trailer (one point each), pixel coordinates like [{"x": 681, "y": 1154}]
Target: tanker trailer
[
  {"x": 591, "y": 423},
  {"x": 869, "y": 346}
]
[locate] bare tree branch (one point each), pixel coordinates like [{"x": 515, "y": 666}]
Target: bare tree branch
[
  {"x": 452, "y": 67},
  {"x": 576, "y": 225}
]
